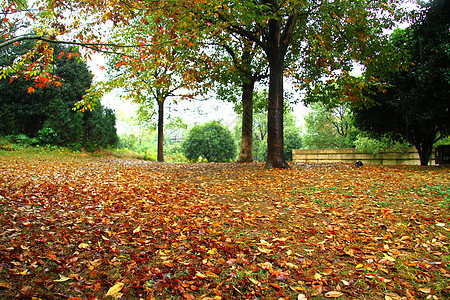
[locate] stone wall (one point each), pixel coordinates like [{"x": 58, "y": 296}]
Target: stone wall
[{"x": 351, "y": 155}]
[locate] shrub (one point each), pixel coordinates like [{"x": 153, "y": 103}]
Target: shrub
[
  {"x": 374, "y": 146},
  {"x": 22, "y": 140},
  {"x": 46, "y": 136},
  {"x": 211, "y": 141}
]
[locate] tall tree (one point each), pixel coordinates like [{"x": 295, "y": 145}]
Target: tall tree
[
  {"x": 332, "y": 34},
  {"x": 156, "y": 76},
  {"x": 242, "y": 68},
  {"x": 324, "y": 38},
  {"x": 416, "y": 106}
]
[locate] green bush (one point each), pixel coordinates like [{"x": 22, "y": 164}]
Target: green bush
[
  {"x": 211, "y": 141},
  {"x": 22, "y": 140},
  {"x": 46, "y": 136},
  {"x": 370, "y": 145}
]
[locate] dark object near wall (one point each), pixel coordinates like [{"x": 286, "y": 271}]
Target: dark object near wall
[
  {"x": 443, "y": 155},
  {"x": 359, "y": 164}
]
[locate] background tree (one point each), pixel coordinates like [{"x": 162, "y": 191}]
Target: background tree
[
  {"x": 99, "y": 128},
  {"x": 155, "y": 76},
  {"x": 241, "y": 68},
  {"x": 50, "y": 108},
  {"x": 327, "y": 127},
  {"x": 416, "y": 106},
  {"x": 331, "y": 34},
  {"x": 26, "y": 108},
  {"x": 291, "y": 131},
  {"x": 211, "y": 141}
]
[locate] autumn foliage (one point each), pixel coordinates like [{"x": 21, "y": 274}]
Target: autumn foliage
[{"x": 83, "y": 227}]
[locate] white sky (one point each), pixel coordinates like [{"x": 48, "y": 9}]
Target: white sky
[{"x": 192, "y": 112}]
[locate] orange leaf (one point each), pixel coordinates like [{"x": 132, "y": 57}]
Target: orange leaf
[{"x": 30, "y": 90}]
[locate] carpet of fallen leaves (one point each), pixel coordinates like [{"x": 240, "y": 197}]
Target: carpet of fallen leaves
[{"x": 82, "y": 227}]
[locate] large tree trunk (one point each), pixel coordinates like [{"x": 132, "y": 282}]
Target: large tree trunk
[
  {"x": 424, "y": 149},
  {"x": 275, "y": 139},
  {"x": 160, "y": 156},
  {"x": 246, "y": 155}
]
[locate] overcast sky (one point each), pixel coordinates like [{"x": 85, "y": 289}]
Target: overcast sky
[{"x": 192, "y": 112}]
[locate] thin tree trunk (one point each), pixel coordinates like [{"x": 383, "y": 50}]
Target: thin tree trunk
[
  {"x": 275, "y": 139},
  {"x": 246, "y": 155},
  {"x": 160, "y": 156}
]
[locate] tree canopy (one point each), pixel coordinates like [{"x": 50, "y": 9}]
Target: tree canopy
[
  {"x": 416, "y": 105},
  {"x": 211, "y": 141},
  {"x": 28, "y": 108},
  {"x": 308, "y": 40}
]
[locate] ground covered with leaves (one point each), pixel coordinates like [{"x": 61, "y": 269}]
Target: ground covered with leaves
[{"x": 83, "y": 227}]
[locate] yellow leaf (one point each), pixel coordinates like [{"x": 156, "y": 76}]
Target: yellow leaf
[
  {"x": 264, "y": 250},
  {"x": 211, "y": 274},
  {"x": 83, "y": 246},
  {"x": 317, "y": 276},
  {"x": 212, "y": 251},
  {"x": 200, "y": 275},
  {"x": 62, "y": 278},
  {"x": 425, "y": 290},
  {"x": 24, "y": 272},
  {"x": 391, "y": 259},
  {"x": 333, "y": 294},
  {"x": 137, "y": 229},
  {"x": 254, "y": 281},
  {"x": 115, "y": 289}
]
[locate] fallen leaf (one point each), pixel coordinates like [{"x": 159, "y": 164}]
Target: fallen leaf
[
  {"x": 254, "y": 281},
  {"x": 83, "y": 246},
  {"x": 62, "y": 278},
  {"x": 24, "y": 272},
  {"x": 425, "y": 290},
  {"x": 317, "y": 276},
  {"x": 200, "y": 275},
  {"x": 302, "y": 297},
  {"x": 392, "y": 296},
  {"x": 389, "y": 258},
  {"x": 212, "y": 251},
  {"x": 333, "y": 294},
  {"x": 211, "y": 274},
  {"x": 115, "y": 289},
  {"x": 345, "y": 282},
  {"x": 137, "y": 229}
]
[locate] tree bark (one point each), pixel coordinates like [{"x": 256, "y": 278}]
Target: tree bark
[
  {"x": 424, "y": 149},
  {"x": 275, "y": 138},
  {"x": 160, "y": 156},
  {"x": 246, "y": 155}
]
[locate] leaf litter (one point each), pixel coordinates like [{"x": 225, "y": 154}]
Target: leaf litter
[{"x": 77, "y": 227}]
